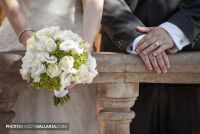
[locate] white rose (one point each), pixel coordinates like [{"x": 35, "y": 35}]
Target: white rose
[
  {"x": 25, "y": 73},
  {"x": 28, "y": 56},
  {"x": 91, "y": 76},
  {"x": 64, "y": 46},
  {"x": 66, "y": 63},
  {"x": 91, "y": 63},
  {"x": 26, "y": 66},
  {"x": 92, "y": 72},
  {"x": 61, "y": 36},
  {"x": 51, "y": 59},
  {"x": 70, "y": 45},
  {"x": 81, "y": 75},
  {"x": 85, "y": 46},
  {"x": 27, "y": 60},
  {"x": 78, "y": 50},
  {"x": 53, "y": 70},
  {"x": 73, "y": 36},
  {"x": 49, "y": 31},
  {"x": 44, "y": 57},
  {"x": 67, "y": 35},
  {"x": 38, "y": 42},
  {"x": 37, "y": 69},
  {"x": 30, "y": 47},
  {"x": 36, "y": 79},
  {"x": 50, "y": 45},
  {"x": 65, "y": 79}
]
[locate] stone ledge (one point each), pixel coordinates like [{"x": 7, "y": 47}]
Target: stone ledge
[{"x": 114, "y": 67}]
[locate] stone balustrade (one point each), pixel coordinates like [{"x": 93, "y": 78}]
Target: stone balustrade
[{"x": 118, "y": 85}]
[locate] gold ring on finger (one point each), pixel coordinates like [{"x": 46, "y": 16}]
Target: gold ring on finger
[{"x": 157, "y": 44}]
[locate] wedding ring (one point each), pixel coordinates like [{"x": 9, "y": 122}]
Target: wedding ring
[{"x": 157, "y": 44}]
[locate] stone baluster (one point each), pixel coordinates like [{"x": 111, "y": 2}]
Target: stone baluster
[
  {"x": 115, "y": 100},
  {"x": 8, "y": 96}
]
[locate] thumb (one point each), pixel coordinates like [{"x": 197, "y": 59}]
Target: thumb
[
  {"x": 72, "y": 85},
  {"x": 144, "y": 29},
  {"x": 171, "y": 51}
]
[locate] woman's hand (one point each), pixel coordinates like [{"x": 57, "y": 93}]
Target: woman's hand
[{"x": 71, "y": 86}]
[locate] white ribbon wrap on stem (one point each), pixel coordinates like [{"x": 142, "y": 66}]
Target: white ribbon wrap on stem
[{"x": 61, "y": 93}]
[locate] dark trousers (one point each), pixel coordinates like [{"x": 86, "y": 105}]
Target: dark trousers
[{"x": 167, "y": 109}]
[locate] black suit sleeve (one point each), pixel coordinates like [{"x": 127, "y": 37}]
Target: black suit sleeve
[
  {"x": 119, "y": 23},
  {"x": 187, "y": 18}
]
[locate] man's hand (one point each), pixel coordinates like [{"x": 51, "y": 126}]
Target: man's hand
[
  {"x": 157, "y": 40},
  {"x": 160, "y": 63}
]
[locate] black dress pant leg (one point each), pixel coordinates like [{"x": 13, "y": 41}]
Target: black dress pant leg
[{"x": 167, "y": 109}]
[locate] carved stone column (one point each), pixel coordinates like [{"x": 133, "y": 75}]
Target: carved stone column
[
  {"x": 115, "y": 100},
  {"x": 8, "y": 96}
]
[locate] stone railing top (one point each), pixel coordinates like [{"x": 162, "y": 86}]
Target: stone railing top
[{"x": 115, "y": 67}]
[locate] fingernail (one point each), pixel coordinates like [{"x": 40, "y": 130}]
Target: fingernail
[
  {"x": 168, "y": 66},
  {"x": 154, "y": 54},
  {"x": 159, "y": 72},
  {"x": 150, "y": 69},
  {"x": 164, "y": 71}
]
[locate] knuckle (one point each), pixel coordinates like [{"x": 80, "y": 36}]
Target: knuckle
[
  {"x": 150, "y": 54},
  {"x": 146, "y": 37},
  {"x": 163, "y": 53},
  {"x": 163, "y": 66},
  {"x": 144, "y": 52},
  {"x": 145, "y": 43},
  {"x": 149, "y": 49},
  {"x": 143, "y": 39},
  {"x": 161, "y": 49},
  {"x": 139, "y": 48},
  {"x": 151, "y": 57},
  {"x": 146, "y": 62},
  {"x": 159, "y": 59},
  {"x": 154, "y": 62},
  {"x": 143, "y": 55},
  {"x": 155, "y": 46}
]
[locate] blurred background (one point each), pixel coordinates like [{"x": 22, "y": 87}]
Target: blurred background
[{"x": 1, "y": 15}]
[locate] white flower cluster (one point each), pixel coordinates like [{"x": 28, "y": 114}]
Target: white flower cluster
[{"x": 40, "y": 59}]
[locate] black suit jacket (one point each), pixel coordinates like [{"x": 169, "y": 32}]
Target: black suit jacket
[{"x": 121, "y": 17}]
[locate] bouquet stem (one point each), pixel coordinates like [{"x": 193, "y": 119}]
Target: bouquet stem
[{"x": 61, "y": 100}]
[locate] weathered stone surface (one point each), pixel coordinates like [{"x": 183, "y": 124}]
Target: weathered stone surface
[
  {"x": 118, "y": 85},
  {"x": 8, "y": 95}
]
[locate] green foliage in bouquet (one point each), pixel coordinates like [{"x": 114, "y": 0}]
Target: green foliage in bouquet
[
  {"x": 47, "y": 82},
  {"x": 80, "y": 59}
]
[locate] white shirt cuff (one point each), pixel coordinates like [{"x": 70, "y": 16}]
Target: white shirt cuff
[
  {"x": 179, "y": 38},
  {"x": 131, "y": 48}
]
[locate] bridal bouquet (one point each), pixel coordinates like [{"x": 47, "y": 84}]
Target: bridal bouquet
[{"x": 55, "y": 59}]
